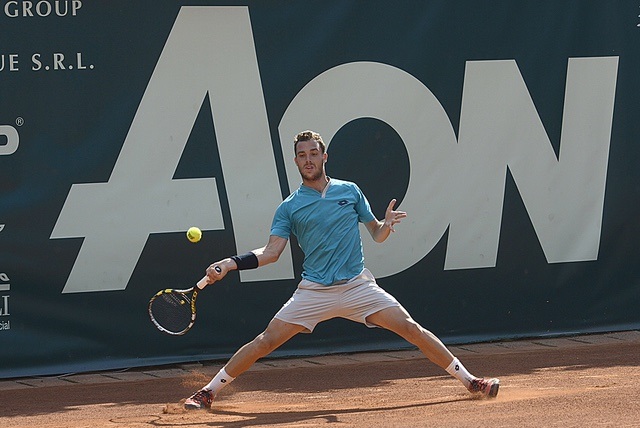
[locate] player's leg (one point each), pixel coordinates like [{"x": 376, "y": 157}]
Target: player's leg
[
  {"x": 398, "y": 320},
  {"x": 276, "y": 334}
]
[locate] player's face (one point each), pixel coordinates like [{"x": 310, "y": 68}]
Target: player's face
[{"x": 310, "y": 160}]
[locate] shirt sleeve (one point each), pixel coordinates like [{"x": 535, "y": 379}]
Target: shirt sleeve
[
  {"x": 281, "y": 224},
  {"x": 365, "y": 215}
]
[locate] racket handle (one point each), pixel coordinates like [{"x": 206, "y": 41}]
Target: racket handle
[
  {"x": 205, "y": 279},
  {"x": 203, "y": 282}
]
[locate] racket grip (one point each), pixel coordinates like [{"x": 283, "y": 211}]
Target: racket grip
[
  {"x": 205, "y": 279},
  {"x": 203, "y": 282}
]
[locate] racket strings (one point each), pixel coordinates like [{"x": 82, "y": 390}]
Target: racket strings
[{"x": 172, "y": 311}]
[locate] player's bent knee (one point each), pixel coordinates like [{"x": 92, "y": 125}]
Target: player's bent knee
[{"x": 412, "y": 331}]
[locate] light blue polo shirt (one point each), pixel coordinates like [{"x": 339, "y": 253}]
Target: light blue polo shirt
[{"x": 326, "y": 226}]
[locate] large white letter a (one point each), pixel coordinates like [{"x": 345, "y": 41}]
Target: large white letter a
[{"x": 210, "y": 50}]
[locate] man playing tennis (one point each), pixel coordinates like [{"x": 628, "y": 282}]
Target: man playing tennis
[{"x": 323, "y": 213}]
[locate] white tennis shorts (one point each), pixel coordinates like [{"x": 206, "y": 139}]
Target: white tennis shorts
[{"x": 355, "y": 300}]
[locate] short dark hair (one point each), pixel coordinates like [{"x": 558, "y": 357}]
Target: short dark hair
[{"x": 308, "y": 136}]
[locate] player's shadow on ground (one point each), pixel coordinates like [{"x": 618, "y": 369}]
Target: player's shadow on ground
[
  {"x": 328, "y": 378},
  {"x": 287, "y": 417}
]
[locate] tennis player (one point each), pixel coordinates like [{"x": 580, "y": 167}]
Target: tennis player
[{"x": 323, "y": 213}]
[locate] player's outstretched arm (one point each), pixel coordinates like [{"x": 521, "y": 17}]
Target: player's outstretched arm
[
  {"x": 270, "y": 253},
  {"x": 380, "y": 230}
]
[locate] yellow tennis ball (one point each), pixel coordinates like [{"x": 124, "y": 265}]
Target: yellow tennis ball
[{"x": 194, "y": 234}]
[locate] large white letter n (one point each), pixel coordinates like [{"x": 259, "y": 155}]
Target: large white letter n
[
  {"x": 564, "y": 194},
  {"x": 210, "y": 50}
]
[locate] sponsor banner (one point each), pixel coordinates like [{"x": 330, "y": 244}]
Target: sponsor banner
[{"x": 509, "y": 139}]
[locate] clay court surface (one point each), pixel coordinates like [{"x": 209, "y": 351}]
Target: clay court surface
[{"x": 582, "y": 381}]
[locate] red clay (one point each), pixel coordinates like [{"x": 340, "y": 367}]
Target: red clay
[{"x": 590, "y": 385}]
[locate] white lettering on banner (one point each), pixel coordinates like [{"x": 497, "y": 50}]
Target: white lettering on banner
[
  {"x": 4, "y": 302},
  {"x": 343, "y": 94},
  {"x": 455, "y": 183},
  {"x": 563, "y": 195},
  {"x": 499, "y": 128},
  {"x": 10, "y": 145},
  {"x": 4, "y": 306},
  {"x": 58, "y": 61},
  {"x": 115, "y": 218},
  {"x": 9, "y": 62},
  {"x": 42, "y": 8}
]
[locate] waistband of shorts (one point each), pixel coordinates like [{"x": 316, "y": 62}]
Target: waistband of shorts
[{"x": 365, "y": 274}]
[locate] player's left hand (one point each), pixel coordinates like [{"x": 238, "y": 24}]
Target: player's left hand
[{"x": 392, "y": 217}]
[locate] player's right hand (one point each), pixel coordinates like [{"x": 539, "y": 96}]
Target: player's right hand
[{"x": 215, "y": 272}]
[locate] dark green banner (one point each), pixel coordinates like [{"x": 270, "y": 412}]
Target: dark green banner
[{"x": 507, "y": 130}]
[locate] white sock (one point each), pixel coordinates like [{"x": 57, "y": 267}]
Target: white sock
[
  {"x": 457, "y": 370},
  {"x": 219, "y": 381}
]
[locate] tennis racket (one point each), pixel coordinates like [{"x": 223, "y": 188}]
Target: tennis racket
[{"x": 173, "y": 311}]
